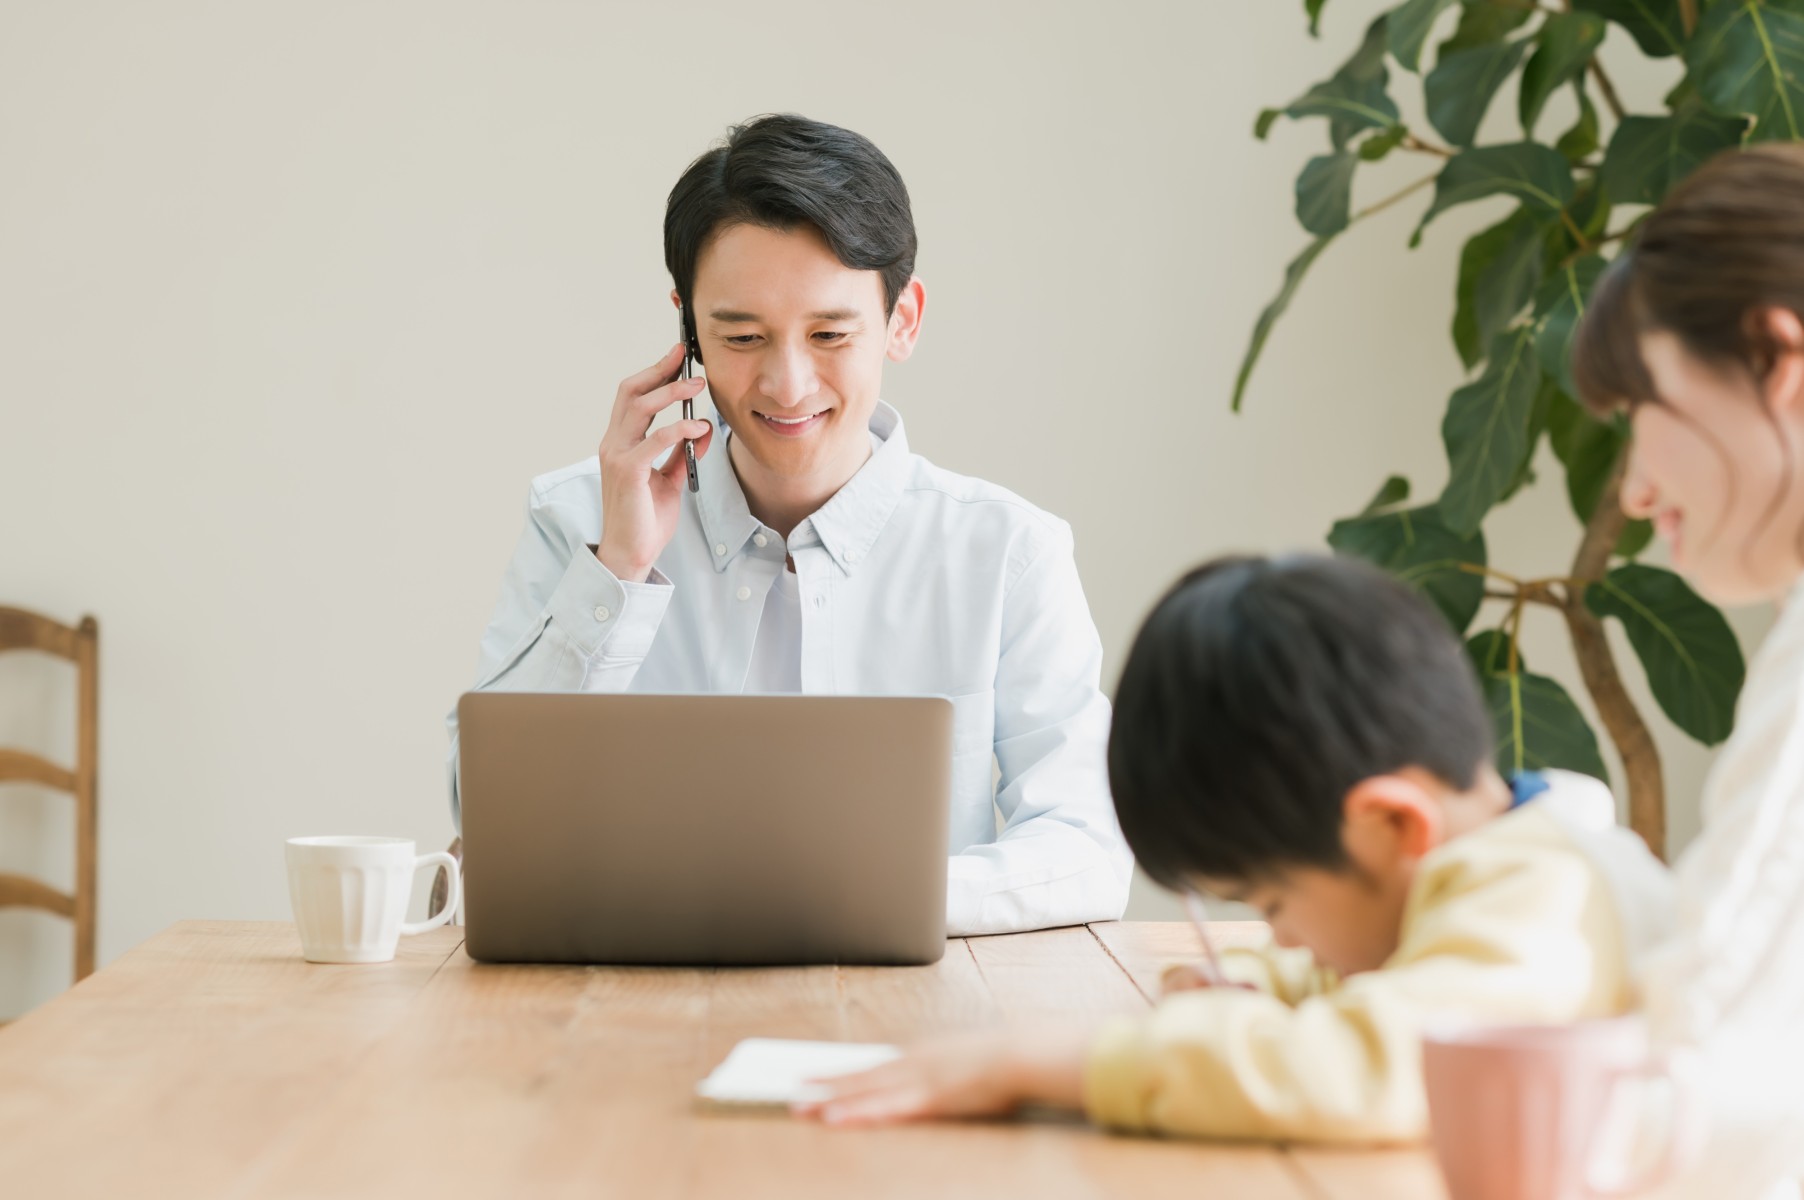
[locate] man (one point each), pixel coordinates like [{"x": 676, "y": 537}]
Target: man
[{"x": 820, "y": 555}]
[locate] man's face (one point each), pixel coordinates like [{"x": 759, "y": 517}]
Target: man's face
[{"x": 793, "y": 342}]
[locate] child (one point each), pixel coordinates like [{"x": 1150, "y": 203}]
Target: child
[
  {"x": 1305, "y": 735},
  {"x": 1697, "y": 332}
]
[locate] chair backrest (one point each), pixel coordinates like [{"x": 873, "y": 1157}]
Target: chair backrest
[{"x": 21, "y": 630}]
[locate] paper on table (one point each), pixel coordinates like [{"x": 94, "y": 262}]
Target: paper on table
[{"x": 774, "y": 1071}]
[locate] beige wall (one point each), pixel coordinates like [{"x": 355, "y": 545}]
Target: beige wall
[{"x": 295, "y": 299}]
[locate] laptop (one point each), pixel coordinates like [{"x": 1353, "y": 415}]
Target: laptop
[{"x": 704, "y": 830}]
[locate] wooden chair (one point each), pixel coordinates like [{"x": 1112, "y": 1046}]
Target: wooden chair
[
  {"x": 21, "y": 630},
  {"x": 441, "y": 882}
]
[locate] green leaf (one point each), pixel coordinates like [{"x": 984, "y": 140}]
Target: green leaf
[
  {"x": 1486, "y": 431},
  {"x": 1325, "y": 193},
  {"x": 1537, "y": 425},
  {"x": 1490, "y": 653},
  {"x": 1394, "y": 490},
  {"x": 1693, "y": 663},
  {"x": 1748, "y": 58},
  {"x": 1262, "y": 328},
  {"x": 1655, "y": 25},
  {"x": 1313, "y": 8},
  {"x": 1534, "y": 721},
  {"x": 1563, "y": 48},
  {"x": 1354, "y": 98},
  {"x": 1382, "y": 143},
  {"x": 1262, "y": 126},
  {"x": 1587, "y": 213},
  {"x": 1581, "y": 141},
  {"x": 1416, "y": 546},
  {"x": 1648, "y": 155},
  {"x": 1559, "y": 303},
  {"x": 1499, "y": 270},
  {"x": 1636, "y": 536},
  {"x": 1409, "y": 26},
  {"x": 1462, "y": 84},
  {"x": 1533, "y": 173},
  {"x": 1588, "y": 449},
  {"x": 1484, "y": 21}
]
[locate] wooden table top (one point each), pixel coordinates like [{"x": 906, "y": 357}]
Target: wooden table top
[{"x": 212, "y": 1061}]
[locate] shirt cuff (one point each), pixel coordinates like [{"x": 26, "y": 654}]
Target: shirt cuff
[{"x": 594, "y": 608}]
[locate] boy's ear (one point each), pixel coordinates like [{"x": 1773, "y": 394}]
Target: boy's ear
[{"x": 1391, "y": 816}]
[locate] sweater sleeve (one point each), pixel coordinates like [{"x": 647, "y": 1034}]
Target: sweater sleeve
[{"x": 1514, "y": 927}]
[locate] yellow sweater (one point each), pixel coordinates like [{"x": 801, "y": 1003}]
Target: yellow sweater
[{"x": 1536, "y": 917}]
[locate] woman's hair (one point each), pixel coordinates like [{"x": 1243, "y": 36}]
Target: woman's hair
[{"x": 1726, "y": 244}]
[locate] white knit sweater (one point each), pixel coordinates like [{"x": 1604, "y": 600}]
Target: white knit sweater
[{"x": 1730, "y": 985}]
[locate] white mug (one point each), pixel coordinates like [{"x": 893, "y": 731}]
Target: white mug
[{"x": 350, "y": 895}]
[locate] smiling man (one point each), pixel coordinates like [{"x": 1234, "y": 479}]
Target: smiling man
[{"x": 820, "y": 555}]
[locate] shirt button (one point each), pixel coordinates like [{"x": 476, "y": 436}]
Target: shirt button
[
  {"x": 760, "y": 541},
  {"x": 720, "y": 549},
  {"x": 820, "y": 601},
  {"x": 744, "y": 593},
  {"x": 602, "y": 613},
  {"x": 851, "y": 556}
]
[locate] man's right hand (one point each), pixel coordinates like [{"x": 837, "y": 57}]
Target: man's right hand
[{"x": 640, "y": 501}]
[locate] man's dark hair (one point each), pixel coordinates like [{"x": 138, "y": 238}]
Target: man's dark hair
[
  {"x": 783, "y": 171},
  {"x": 1259, "y": 692}
]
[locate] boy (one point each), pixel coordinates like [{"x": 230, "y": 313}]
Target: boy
[{"x": 1305, "y": 735}]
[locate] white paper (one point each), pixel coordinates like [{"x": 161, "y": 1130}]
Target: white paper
[{"x": 774, "y": 1071}]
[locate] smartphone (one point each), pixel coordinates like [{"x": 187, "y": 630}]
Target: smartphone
[{"x": 687, "y": 371}]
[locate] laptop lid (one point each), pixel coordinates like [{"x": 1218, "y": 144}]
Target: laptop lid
[{"x": 704, "y": 829}]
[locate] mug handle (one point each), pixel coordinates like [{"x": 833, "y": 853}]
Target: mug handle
[
  {"x": 453, "y": 896},
  {"x": 1683, "y": 1135}
]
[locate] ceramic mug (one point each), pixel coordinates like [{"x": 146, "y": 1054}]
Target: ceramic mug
[
  {"x": 350, "y": 895},
  {"x": 1557, "y": 1112}
]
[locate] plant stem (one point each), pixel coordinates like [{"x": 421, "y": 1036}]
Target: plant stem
[
  {"x": 1597, "y": 665},
  {"x": 1607, "y": 90},
  {"x": 1688, "y": 16},
  {"x": 1412, "y": 142},
  {"x": 1393, "y": 198},
  {"x": 1493, "y": 573}
]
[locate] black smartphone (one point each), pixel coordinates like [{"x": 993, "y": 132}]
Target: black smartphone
[{"x": 687, "y": 371}]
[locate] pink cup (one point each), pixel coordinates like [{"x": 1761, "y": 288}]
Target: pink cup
[{"x": 1554, "y": 1112}]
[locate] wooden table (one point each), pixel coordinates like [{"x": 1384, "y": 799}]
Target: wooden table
[{"x": 213, "y": 1062}]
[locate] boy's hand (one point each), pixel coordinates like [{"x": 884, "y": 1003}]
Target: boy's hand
[
  {"x": 1192, "y": 977},
  {"x": 985, "y": 1074},
  {"x": 1183, "y": 977}
]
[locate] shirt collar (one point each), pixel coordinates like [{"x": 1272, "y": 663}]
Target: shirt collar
[
  {"x": 847, "y": 524},
  {"x": 1525, "y": 786}
]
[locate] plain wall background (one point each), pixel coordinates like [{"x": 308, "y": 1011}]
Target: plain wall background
[{"x": 294, "y": 300}]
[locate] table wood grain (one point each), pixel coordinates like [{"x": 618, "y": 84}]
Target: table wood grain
[{"x": 212, "y": 1061}]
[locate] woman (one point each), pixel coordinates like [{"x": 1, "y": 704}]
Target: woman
[{"x": 1697, "y": 333}]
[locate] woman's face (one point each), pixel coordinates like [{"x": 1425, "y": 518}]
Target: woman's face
[{"x": 1717, "y": 463}]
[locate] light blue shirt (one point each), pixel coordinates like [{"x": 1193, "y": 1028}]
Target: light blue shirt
[{"x": 912, "y": 581}]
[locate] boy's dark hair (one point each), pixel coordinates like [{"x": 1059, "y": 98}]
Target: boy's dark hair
[
  {"x": 1259, "y": 692},
  {"x": 782, "y": 171}
]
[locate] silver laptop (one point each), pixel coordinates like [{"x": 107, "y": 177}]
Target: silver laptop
[{"x": 704, "y": 829}]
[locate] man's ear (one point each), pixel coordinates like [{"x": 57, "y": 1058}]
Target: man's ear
[
  {"x": 1391, "y": 817},
  {"x": 905, "y": 320},
  {"x": 1784, "y": 382}
]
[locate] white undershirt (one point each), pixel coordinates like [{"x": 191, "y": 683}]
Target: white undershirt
[{"x": 777, "y": 652}]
